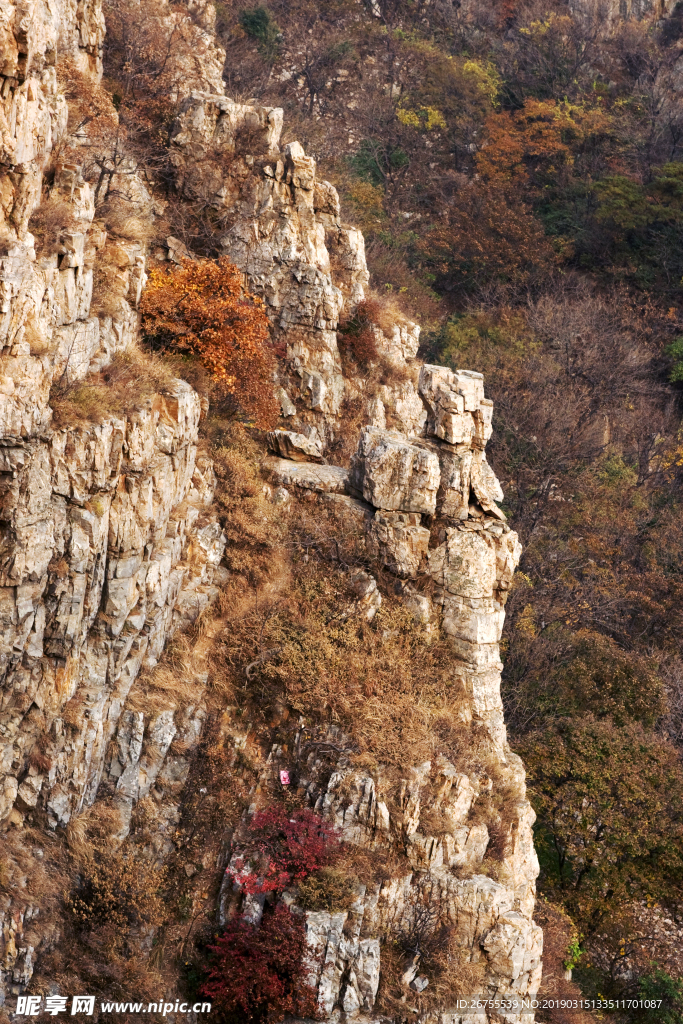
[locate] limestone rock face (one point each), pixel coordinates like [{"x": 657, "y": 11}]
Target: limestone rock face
[
  {"x": 287, "y": 238},
  {"x": 399, "y": 541},
  {"x": 368, "y": 598},
  {"x": 107, "y": 545},
  {"x": 307, "y": 475},
  {"x": 104, "y": 561},
  {"x": 467, "y": 559}
]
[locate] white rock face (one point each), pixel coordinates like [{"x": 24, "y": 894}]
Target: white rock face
[
  {"x": 469, "y": 559},
  {"x": 107, "y": 545},
  {"x": 307, "y": 475},
  {"x": 104, "y": 562},
  {"x": 399, "y": 541},
  {"x": 101, "y": 553}
]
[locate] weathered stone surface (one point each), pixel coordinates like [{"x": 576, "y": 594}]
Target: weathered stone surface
[
  {"x": 283, "y": 236},
  {"x": 343, "y": 968},
  {"x": 107, "y": 545},
  {"x": 368, "y": 598},
  {"x": 451, "y": 399},
  {"x": 308, "y": 476},
  {"x": 398, "y": 541},
  {"x": 392, "y": 474},
  {"x": 297, "y": 447},
  {"x": 400, "y": 342},
  {"x": 403, "y": 404}
]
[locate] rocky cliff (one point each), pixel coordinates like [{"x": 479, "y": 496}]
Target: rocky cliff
[{"x": 110, "y": 544}]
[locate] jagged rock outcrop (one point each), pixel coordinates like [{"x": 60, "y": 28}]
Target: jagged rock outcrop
[
  {"x": 465, "y": 564},
  {"x": 106, "y": 537},
  {"x": 285, "y": 233},
  {"x": 102, "y": 553}
]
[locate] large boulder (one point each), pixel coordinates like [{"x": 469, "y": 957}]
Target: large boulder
[
  {"x": 296, "y": 447},
  {"x": 309, "y": 476},
  {"x": 451, "y": 398},
  {"x": 393, "y": 474}
]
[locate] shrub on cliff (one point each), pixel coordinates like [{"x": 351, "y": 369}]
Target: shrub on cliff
[
  {"x": 357, "y": 334},
  {"x": 258, "y": 973},
  {"x": 258, "y": 23},
  {"x": 117, "y": 892},
  {"x": 199, "y": 308},
  {"x": 289, "y": 845},
  {"x": 328, "y": 889}
]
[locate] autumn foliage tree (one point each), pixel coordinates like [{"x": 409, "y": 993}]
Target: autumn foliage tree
[
  {"x": 609, "y": 806},
  {"x": 259, "y": 972},
  {"x": 200, "y": 309}
]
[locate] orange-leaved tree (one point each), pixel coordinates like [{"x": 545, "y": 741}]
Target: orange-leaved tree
[{"x": 201, "y": 309}]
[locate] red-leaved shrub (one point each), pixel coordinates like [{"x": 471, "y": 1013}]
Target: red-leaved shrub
[
  {"x": 357, "y": 334},
  {"x": 259, "y": 973},
  {"x": 289, "y": 846}
]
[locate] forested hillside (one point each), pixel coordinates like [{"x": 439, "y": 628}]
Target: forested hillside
[{"x": 517, "y": 170}]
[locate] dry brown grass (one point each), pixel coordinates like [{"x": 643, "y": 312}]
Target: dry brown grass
[
  {"x": 386, "y": 310},
  {"x": 256, "y": 529},
  {"x": 393, "y": 998},
  {"x": 450, "y": 969},
  {"x": 442, "y": 960},
  {"x": 351, "y": 419},
  {"x": 329, "y": 889},
  {"x": 370, "y": 867},
  {"x": 387, "y": 684},
  {"x": 48, "y": 221},
  {"x": 122, "y": 221},
  {"x": 93, "y": 830},
  {"x": 131, "y": 378},
  {"x": 119, "y": 890},
  {"x": 174, "y": 683}
]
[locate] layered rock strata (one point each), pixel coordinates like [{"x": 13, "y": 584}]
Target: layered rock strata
[
  {"x": 424, "y": 501},
  {"x": 284, "y": 231}
]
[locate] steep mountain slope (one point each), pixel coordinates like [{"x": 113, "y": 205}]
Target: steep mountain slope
[{"x": 111, "y": 547}]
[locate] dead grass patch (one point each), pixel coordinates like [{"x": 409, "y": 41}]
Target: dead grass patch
[
  {"x": 122, "y": 221},
  {"x": 132, "y": 377},
  {"x": 48, "y": 221},
  {"x": 255, "y": 529},
  {"x": 384, "y": 684},
  {"x": 446, "y": 965},
  {"x": 174, "y": 683},
  {"x": 371, "y": 867},
  {"x": 93, "y": 830},
  {"x": 329, "y": 889},
  {"x": 450, "y": 969},
  {"x": 351, "y": 418},
  {"x": 118, "y": 890}
]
